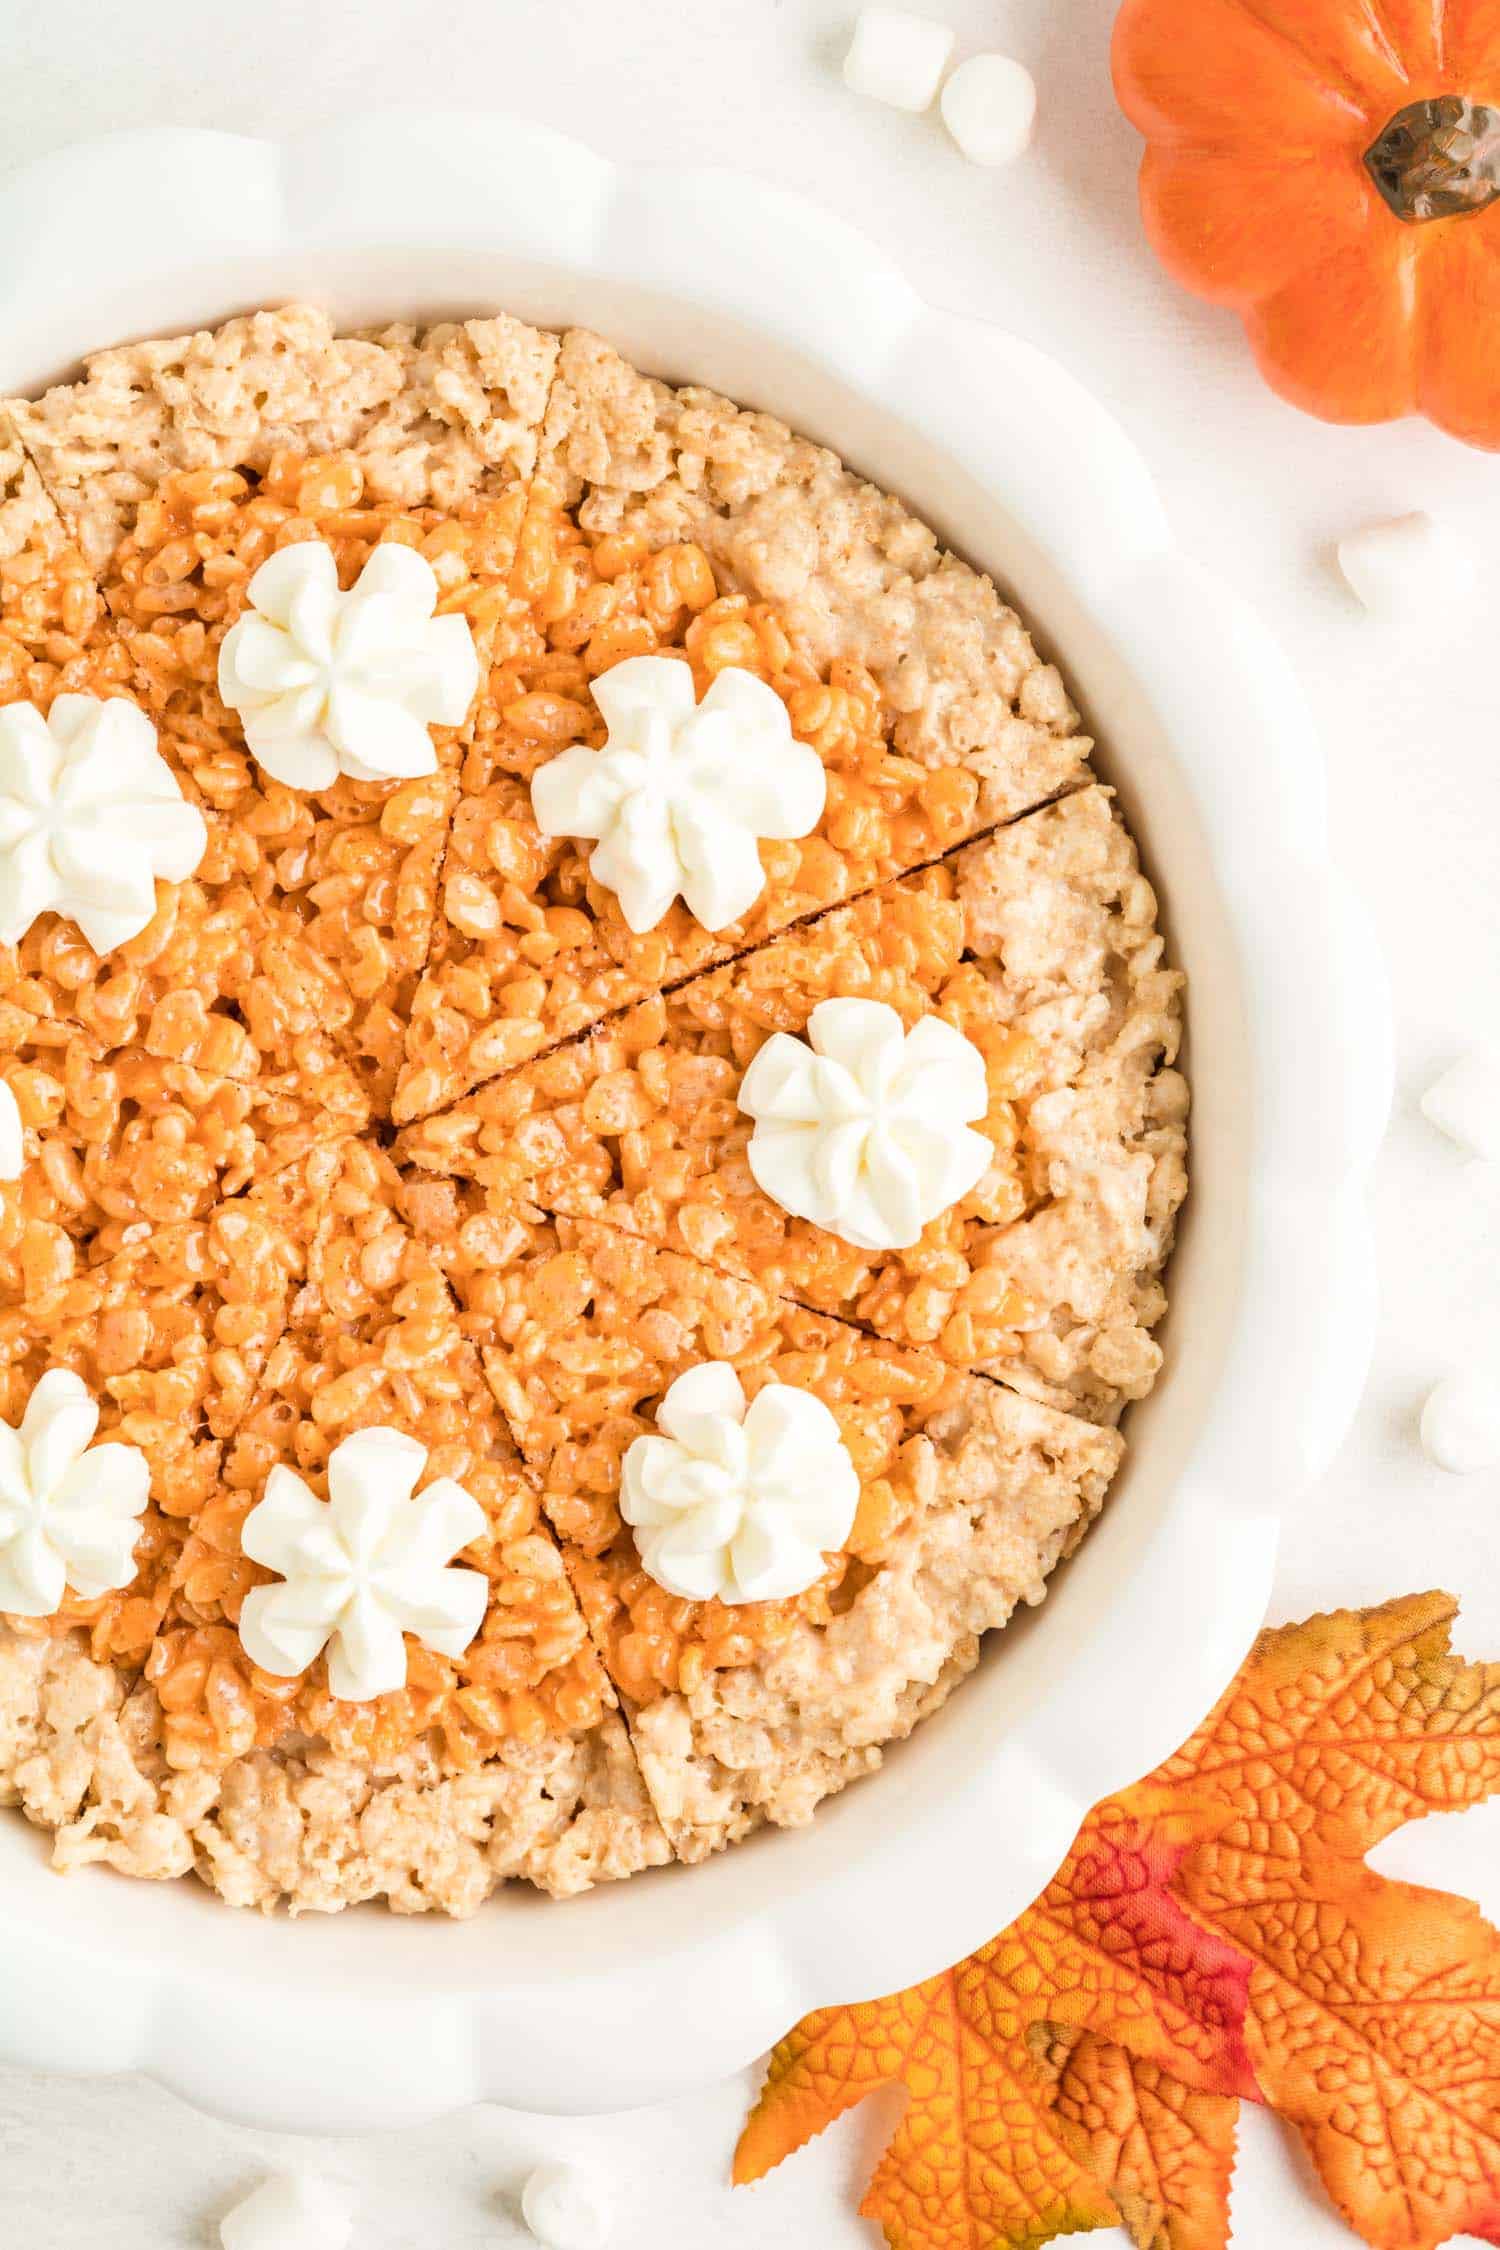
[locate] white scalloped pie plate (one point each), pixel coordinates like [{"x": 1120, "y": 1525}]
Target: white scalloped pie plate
[{"x": 623, "y": 1996}]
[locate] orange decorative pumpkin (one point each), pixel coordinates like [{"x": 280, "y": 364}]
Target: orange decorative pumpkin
[{"x": 1331, "y": 169}]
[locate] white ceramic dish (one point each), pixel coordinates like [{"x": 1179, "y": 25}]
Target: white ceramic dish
[{"x": 628, "y": 1994}]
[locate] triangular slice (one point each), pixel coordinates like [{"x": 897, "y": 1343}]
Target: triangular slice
[
  {"x": 1040, "y": 945},
  {"x": 510, "y": 1760},
  {"x": 184, "y": 465},
  {"x": 665, "y": 521},
  {"x": 968, "y": 1497}
]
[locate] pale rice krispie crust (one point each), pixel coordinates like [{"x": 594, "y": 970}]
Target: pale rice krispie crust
[{"x": 388, "y": 1120}]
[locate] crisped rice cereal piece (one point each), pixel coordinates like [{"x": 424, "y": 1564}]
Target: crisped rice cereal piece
[
  {"x": 181, "y": 465},
  {"x": 530, "y": 949},
  {"x": 968, "y": 1496},
  {"x": 80, "y": 1755},
  {"x": 1001, "y": 1490},
  {"x": 28, "y": 519},
  {"x": 116, "y": 1142}
]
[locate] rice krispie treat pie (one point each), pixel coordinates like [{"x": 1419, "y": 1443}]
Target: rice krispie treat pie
[{"x": 589, "y": 1121}]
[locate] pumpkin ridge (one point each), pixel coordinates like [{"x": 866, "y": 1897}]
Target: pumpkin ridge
[
  {"x": 1455, "y": 264},
  {"x": 1436, "y": 17},
  {"x": 1277, "y": 89},
  {"x": 1330, "y": 73},
  {"x": 1371, "y": 11}
]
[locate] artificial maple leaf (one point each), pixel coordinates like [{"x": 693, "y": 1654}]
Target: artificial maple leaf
[
  {"x": 1336, "y": 1733},
  {"x": 1164, "y": 2152},
  {"x": 1218, "y": 1923},
  {"x": 1375, "y": 2022},
  {"x": 1374, "y": 2007},
  {"x": 978, "y": 2156}
]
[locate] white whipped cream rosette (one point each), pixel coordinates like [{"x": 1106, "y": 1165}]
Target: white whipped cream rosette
[
  {"x": 70, "y": 1510},
  {"x": 735, "y": 1502},
  {"x": 682, "y": 792},
  {"x": 864, "y": 1128},
  {"x": 91, "y": 817},
  {"x": 329, "y": 683},
  {"x": 362, "y": 1568}
]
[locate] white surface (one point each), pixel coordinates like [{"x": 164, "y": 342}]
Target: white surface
[
  {"x": 1465, "y": 1103},
  {"x": 1052, "y": 249}
]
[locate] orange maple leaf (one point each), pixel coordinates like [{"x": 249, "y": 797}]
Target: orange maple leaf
[
  {"x": 978, "y": 2156},
  {"x": 1164, "y": 2152},
  {"x": 1215, "y": 1924}
]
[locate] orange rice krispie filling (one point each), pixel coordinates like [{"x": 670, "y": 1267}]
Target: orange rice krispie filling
[
  {"x": 389, "y": 1121},
  {"x": 640, "y": 1125},
  {"x": 119, "y": 1139},
  {"x": 530, "y": 949},
  {"x": 372, "y": 1343}
]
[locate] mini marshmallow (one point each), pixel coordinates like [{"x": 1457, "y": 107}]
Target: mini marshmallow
[
  {"x": 1406, "y": 564},
  {"x": 989, "y": 107},
  {"x": 1461, "y": 1423},
  {"x": 566, "y": 2209},
  {"x": 897, "y": 58},
  {"x": 1465, "y": 1103},
  {"x": 289, "y": 2211}
]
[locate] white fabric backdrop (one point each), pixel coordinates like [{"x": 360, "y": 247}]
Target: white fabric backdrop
[{"x": 1052, "y": 249}]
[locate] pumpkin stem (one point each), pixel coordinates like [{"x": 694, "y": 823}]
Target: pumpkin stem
[{"x": 1437, "y": 159}]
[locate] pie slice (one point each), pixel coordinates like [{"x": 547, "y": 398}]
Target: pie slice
[
  {"x": 184, "y": 466},
  {"x": 665, "y": 522},
  {"x": 510, "y": 1760},
  {"x": 1040, "y": 946},
  {"x": 742, "y": 1713}
]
